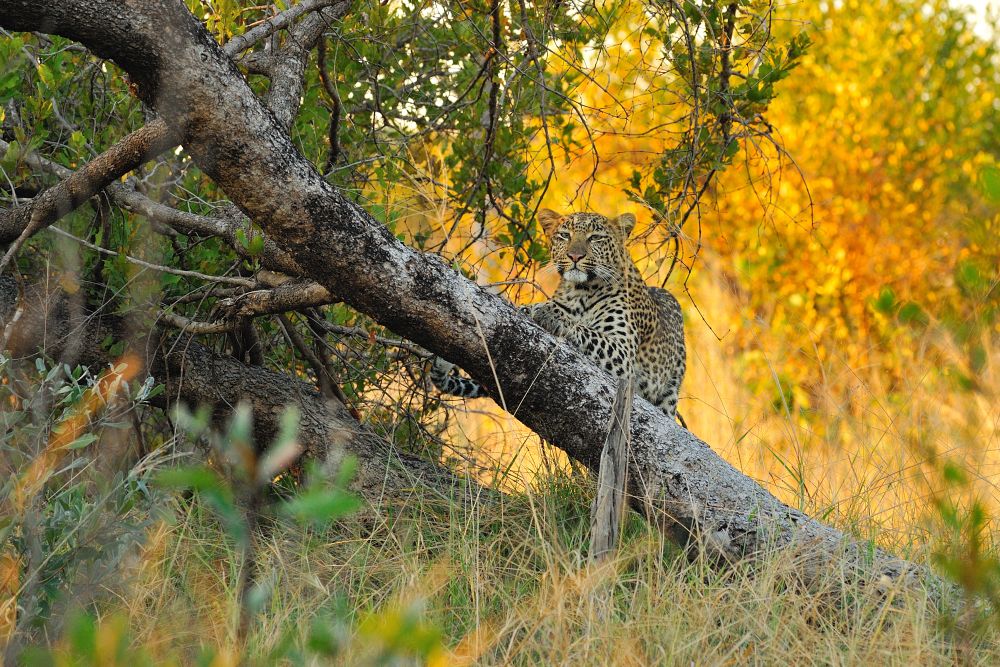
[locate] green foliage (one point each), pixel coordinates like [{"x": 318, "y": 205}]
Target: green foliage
[
  {"x": 318, "y": 505},
  {"x": 912, "y": 314},
  {"x": 729, "y": 91},
  {"x": 402, "y": 632},
  {"x": 323, "y": 504},
  {"x": 989, "y": 179},
  {"x": 967, "y": 554},
  {"x": 448, "y": 100},
  {"x": 435, "y": 115},
  {"x": 419, "y": 583},
  {"x": 253, "y": 244},
  {"x": 89, "y": 643},
  {"x": 68, "y": 528},
  {"x": 213, "y": 490}
]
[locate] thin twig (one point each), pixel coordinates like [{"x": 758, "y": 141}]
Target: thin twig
[
  {"x": 242, "y": 282},
  {"x": 336, "y": 106}
]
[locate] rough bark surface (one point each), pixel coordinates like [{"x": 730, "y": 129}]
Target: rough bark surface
[
  {"x": 675, "y": 478},
  {"x": 59, "y": 325},
  {"x": 83, "y": 184}
]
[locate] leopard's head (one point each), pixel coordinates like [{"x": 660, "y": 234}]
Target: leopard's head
[{"x": 588, "y": 247}]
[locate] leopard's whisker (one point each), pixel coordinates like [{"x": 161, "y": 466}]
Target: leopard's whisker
[{"x": 548, "y": 267}]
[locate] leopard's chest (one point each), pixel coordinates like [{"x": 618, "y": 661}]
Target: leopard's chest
[{"x": 591, "y": 310}]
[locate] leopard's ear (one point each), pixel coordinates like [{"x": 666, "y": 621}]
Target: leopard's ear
[
  {"x": 626, "y": 223},
  {"x": 549, "y": 220}
]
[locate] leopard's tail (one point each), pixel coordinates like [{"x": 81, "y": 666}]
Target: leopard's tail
[{"x": 447, "y": 378}]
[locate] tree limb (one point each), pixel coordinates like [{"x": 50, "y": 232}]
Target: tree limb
[
  {"x": 291, "y": 295},
  {"x": 21, "y": 222},
  {"x": 58, "y": 325},
  {"x": 80, "y": 186},
  {"x": 287, "y": 67},
  {"x": 124, "y": 196}
]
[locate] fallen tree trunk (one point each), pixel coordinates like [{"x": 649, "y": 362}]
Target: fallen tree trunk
[
  {"x": 676, "y": 480},
  {"x": 58, "y": 325}
]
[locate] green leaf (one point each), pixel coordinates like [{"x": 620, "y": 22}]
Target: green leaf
[
  {"x": 970, "y": 278},
  {"x": 83, "y": 635},
  {"x": 13, "y": 150},
  {"x": 320, "y": 506},
  {"x": 285, "y": 450},
  {"x": 82, "y": 441},
  {"x": 348, "y": 466},
  {"x": 9, "y": 83},
  {"x": 45, "y": 74},
  {"x": 77, "y": 139},
  {"x": 192, "y": 423},
  {"x": 977, "y": 359},
  {"x": 912, "y": 314},
  {"x": 240, "y": 428},
  {"x": 323, "y": 638},
  {"x": 964, "y": 381},
  {"x": 953, "y": 474},
  {"x": 213, "y": 490},
  {"x": 196, "y": 478},
  {"x": 989, "y": 180},
  {"x": 256, "y": 245},
  {"x": 886, "y": 301}
]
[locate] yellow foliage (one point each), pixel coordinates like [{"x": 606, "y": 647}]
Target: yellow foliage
[{"x": 796, "y": 375}]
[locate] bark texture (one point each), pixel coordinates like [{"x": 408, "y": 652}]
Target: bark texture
[
  {"x": 675, "y": 478},
  {"x": 60, "y": 325},
  {"x": 609, "y": 502},
  {"x": 83, "y": 184}
]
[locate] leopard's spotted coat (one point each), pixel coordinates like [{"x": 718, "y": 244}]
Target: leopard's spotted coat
[{"x": 604, "y": 308}]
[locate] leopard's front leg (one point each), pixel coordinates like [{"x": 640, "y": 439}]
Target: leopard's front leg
[
  {"x": 614, "y": 351},
  {"x": 548, "y": 316}
]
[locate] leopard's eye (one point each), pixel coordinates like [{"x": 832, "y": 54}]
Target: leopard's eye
[
  {"x": 560, "y": 236},
  {"x": 597, "y": 236}
]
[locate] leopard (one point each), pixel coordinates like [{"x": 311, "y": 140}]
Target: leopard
[{"x": 604, "y": 308}]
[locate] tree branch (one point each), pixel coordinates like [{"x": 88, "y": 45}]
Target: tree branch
[
  {"x": 278, "y": 22},
  {"x": 81, "y": 185},
  {"x": 124, "y": 196},
  {"x": 21, "y": 222},
  {"x": 54, "y": 323},
  {"x": 287, "y": 66},
  {"x": 291, "y": 295},
  {"x": 336, "y": 107}
]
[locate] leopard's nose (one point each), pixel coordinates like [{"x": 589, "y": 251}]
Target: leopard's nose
[{"x": 575, "y": 257}]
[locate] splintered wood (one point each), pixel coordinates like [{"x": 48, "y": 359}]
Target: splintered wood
[{"x": 609, "y": 503}]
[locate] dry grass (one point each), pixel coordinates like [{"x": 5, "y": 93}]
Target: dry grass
[
  {"x": 865, "y": 453},
  {"x": 508, "y": 585}
]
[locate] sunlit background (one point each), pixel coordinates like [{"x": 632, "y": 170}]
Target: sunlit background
[{"x": 840, "y": 287}]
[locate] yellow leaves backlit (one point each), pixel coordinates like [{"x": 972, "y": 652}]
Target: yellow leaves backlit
[
  {"x": 804, "y": 242},
  {"x": 221, "y": 17}
]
